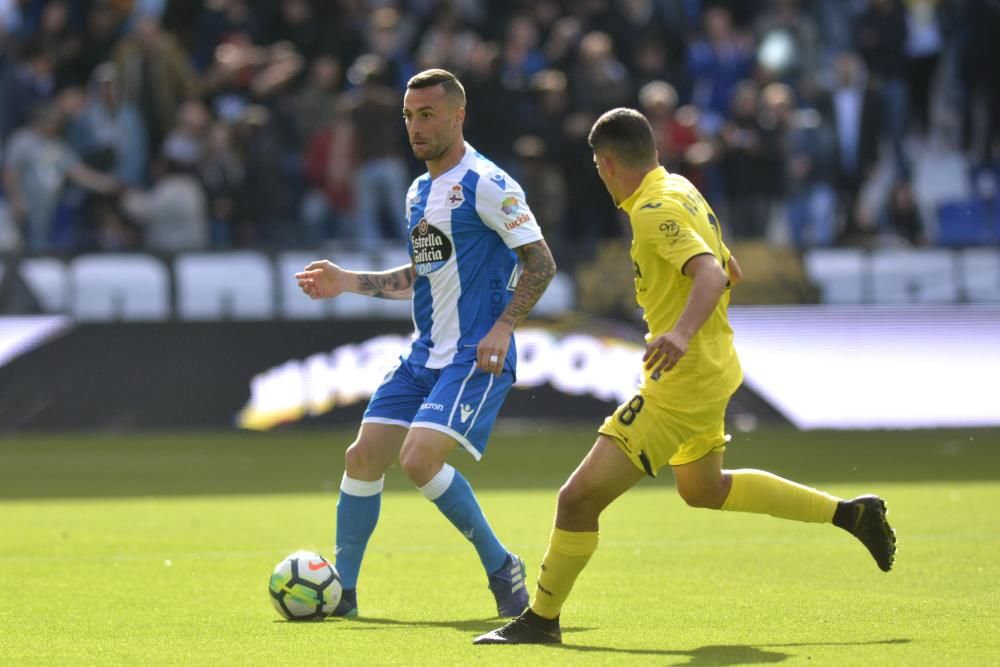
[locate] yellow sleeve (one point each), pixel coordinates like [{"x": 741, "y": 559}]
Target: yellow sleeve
[{"x": 668, "y": 232}]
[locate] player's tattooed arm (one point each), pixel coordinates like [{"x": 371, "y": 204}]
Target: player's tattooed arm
[
  {"x": 537, "y": 269},
  {"x": 323, "y": 279},
  {"x": 393, "y": 284}
]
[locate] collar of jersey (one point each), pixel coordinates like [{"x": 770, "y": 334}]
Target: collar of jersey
[
  {"x": 469, "y": 151},
  {"x": 657, "y": 174}
]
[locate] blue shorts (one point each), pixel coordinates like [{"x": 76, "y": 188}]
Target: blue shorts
[{"x": 459, "y": 400}]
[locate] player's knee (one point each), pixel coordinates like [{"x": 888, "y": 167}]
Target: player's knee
[
  {"x": 573, "y": 500},
  {"x": 700, "y": 496},
  {"x": 358, "y": 461},
  {"x": 361, "y": 461},
  {"x": 415, "y": 463}
]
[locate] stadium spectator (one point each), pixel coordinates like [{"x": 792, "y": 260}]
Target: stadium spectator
[
  {"x": 157, "y": 76},
  {"x": 186, "y": 140},
  {"x": 599, "y": 80},
  {"x": 924, "y": 46},
  {"x": 812, "y": 202},
  {"x": 267, "y": 213},
  {"x": 594, "y": 219},
  {"x": 109, "y": 134},
  {"x": 650, "y": 37},
  {"x": 654, "y": 60},
  {"x": 560, "y": 47},
  {"x": 746, "y": 153},
  {"x": 674, "y": 130},
  {"x": 551, "y": 103},
  {"x": 99, "y": 38},
  {"x": 223, "y": 174},
  {"x": 979, "y": 72},
  {"x": 313, "y": 105},
  {"x": 790, "y": 48},
  {"x": 520, "y": 56},
  {"x": 329, "y": 168},
  {"x": 295, "y": 22},
  {"x": 881, "y": 40},
  {"x": 173, "y": 214},
  {"x": 218, "y": 22},
  {"x": 371, "y": 131},
  {"x": 716, "y": 62},
  {"x": 229, "y": 55},
  {"x": 388, "y": 36},
  {"x": 902, "y": 216},
  {"x": 548, "y": 189},
  {"x": 243, "y": 73},
  {"x": 37, "y": 165},
  {"x": 856, "y": 118},
  {"x": 493, "y": 126},
  {"x": 59, "y": 40},
  {"x": 446, "y": 42},
  {"x": 28, "y": 82}
]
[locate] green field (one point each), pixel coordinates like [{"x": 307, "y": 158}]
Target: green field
[{"x": 156, "y": 550}]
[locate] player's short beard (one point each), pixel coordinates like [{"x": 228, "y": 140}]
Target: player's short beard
[{"x": 437, "y": 154}]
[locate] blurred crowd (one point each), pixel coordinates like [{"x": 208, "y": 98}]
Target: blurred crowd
[{"x": 180, "y": 125}]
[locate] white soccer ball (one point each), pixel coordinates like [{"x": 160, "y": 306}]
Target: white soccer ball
[{"x": 305, "y": 586}]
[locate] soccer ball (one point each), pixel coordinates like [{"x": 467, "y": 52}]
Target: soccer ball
[{"x": 305, "y": 586}]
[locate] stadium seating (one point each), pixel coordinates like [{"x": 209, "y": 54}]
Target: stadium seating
[{"x": 966, "y": 223}]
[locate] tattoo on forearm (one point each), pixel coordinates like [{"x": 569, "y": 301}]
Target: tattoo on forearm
[
  {"x": 396, "y": 284},
  {"x": 537, "y": 270}
]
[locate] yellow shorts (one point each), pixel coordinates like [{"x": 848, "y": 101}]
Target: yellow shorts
[{"x": 653, "y": 433}]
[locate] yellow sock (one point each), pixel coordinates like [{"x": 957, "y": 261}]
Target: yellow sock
[
  {"x": 763, "y": 493},
  {"x": 566, "y": 557}
]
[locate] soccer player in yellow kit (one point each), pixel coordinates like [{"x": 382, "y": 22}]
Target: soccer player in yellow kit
[{"x": 683, "y": 274}]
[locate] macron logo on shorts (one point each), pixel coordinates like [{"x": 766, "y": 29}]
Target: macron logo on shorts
[
  {"x": 432, "y": 406},
  {"x": 466, "y": 412}
]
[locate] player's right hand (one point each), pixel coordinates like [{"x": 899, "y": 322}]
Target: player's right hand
[{"x": 322, "y": 280}]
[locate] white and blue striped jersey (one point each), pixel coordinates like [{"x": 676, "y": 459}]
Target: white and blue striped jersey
[{"x": 462, "y": 226}]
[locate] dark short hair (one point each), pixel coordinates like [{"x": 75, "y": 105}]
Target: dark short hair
[
  {"x": 626, "y": 134},
  {"x": 433, "y": 77}
]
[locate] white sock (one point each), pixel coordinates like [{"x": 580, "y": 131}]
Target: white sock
[
  {"x": 361, "y": 488},
  {"x": 433, "y": 489}
]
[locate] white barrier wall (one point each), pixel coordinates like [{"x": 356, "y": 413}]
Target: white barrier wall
[
  {"x": 242, "y": 285},
  {"x": 898, "y": 276},
  {"x": 249, "y": 285}
]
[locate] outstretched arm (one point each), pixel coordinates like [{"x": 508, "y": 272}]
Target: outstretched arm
[
  {"x": 324, "y": 280},
  {"x": 537, "y": 270}
]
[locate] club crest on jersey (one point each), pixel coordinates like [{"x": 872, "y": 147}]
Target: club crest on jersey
[
  {"x": 430, "y": 247},
  {"x": 455, "y": 196}
]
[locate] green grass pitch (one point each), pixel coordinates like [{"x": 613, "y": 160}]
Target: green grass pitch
[{"x": 156, "y": 550}]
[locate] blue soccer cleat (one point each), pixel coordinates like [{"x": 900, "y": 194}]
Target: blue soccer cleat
[
  {"x": 348, "y": 605},
  {"x": 507, "y": 586}
]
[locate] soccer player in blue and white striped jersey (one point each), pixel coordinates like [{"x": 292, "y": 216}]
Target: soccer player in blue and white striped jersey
[{"x": 478, "y": 265}]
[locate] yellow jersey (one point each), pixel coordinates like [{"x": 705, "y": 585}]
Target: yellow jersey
[{"x": 672, "y": 223}]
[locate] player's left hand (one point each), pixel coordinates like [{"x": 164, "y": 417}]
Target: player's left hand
[
  {"x": 492, "y": 349},
  {"x": 664, "y": 351}
]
